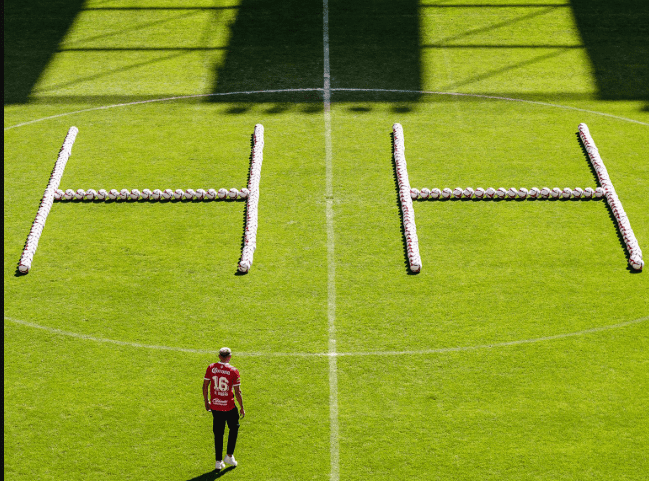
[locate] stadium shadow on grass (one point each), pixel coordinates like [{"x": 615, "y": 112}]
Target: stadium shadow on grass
[
  {"x": 279, "y": 45},
  {"x": 616, "y": 36},
  {"x": 32, "y": 33}
]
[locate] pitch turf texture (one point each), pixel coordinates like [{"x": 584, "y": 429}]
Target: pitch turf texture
[{"x": 561, "y": 394}]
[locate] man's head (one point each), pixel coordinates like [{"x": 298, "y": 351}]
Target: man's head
[{"x": 225, "y": 353}]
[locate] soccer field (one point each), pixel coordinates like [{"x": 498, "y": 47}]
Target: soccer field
[{"x": 519, "y": 352}]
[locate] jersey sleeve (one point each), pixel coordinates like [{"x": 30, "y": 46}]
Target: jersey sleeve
[
  {"x": 236, "y": 378},
  {"x": 208, "y": 372}
]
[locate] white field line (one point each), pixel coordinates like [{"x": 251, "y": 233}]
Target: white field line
[
  {"x": 427, "y": 92},
  {"x": 334, "y": 449},
  {"x": 412, "y": 352}
]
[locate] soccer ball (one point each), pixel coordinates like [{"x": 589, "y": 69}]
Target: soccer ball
[
  {"x": 545, "y": 192},
  {"x": 146, "y": 194},
  {"x": 233, "y": 193},
  {"x": 414, "y": 193},
  {"x": 468, "y": 192},
  {"x": 555, "y": 193},
  {"x": 123, "y": 194},
  {"x": 156, "y": 194},
  {"x": 189, "y": 194},
  {"x": 578, "y": 192},
  {"x": 588, "y": 192},
  {"x": 101, "y": 194},
  {"x": 134, "y": 195},
  {"x": 113, "y": 194},
  {"x": 244, "y": 193},
  {"x": 91, "y": 194},
  {"x": 222, "y": 193},
  {"x": 424, "y": 193},
  {"x": 79, "y": 194},
  {"x": 435, "y": 193},
  {"x": 599, "y": 192},
  {"x": 178, "y": 194},
  {"x": 534, "y": 193},
  {"x": 501, "y": 193},
  {"x": 457, "y": 193},
  {"x": 200, "y": 193},
  {"x": 567, "y": 193},
  {"x": 636, "y": 262},
  {"x": 211, "y": 194},
  {"x": 479, "y": 193},
  {"x": 489, "y": 193},
  {"x": 58, "y": 193},
  {"x": 446, "y": 193},
  {"x": 512, "y": 192},
  {"x": 522, "y": 192}
]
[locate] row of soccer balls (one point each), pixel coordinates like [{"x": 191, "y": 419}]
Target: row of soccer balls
[
  {"x": 502, "y": 193},
  {"x": 146, "y": 194}
]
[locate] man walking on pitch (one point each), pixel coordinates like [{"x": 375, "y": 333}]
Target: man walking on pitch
[{"x": 223, "y": 379}]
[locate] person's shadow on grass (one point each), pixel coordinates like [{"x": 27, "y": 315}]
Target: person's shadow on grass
[{"x": 212, "y": 475}]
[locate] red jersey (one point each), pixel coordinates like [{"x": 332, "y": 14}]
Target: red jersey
[{"x": 223, "y": 378}]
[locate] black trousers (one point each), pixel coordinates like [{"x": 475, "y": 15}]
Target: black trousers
[{"x": 218, "y": 426}]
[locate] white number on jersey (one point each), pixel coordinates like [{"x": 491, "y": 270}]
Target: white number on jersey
[{"x": 221, "y": 384}]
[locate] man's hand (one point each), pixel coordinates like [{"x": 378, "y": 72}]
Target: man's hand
[
  {"x": 242, "y": 413},
  {"x": 207, "y": 406}
]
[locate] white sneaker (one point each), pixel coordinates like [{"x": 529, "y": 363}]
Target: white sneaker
[
  {"x": 230, "y": 460},
  {"x": 219, "y": 465}
]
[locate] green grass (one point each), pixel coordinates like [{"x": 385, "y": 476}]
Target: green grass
[{"x": 163, "y": 274}]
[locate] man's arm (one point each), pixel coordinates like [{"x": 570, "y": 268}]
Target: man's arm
[
  {"x": 237, "y": 394},
  {"x": 206, "y": 388}
]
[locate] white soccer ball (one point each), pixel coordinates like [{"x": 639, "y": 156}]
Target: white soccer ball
[
  {"x": 468, "y": 192},
  {"x": 189, "y": 194},
  {"x": 490, "y": 192},
  {"x": 79, "y": 194},
  {"x": 123, "y": 194},
  {"x": 534, "y": 193},
  {"x": 101, "y": 194},
  {"x": 599, "y": 192},
  {"x": 435, "y": 193},
  {"x": 200, "y": 194},
  {"x": 414, "y": 193},
  {"x": 555, "y": 193},
  {"x": 578, "y": 192},
  {"x": 545, "y": 192},
  {"x": 166, "y": 194},
  {"x": 588, "y": 193},
  {"x": 479, "y": 193},
  {"x": 244, "y": 193},
  {"x": 512, "y": 192},
  {"x": 501, "y": 192},
  {"x": 178, "y": 194},
  {"x": 134, "y": 194},
  {"x": 23, "y": 268},
  {"x": 522, "y": 193},
  {"x": 233, "y": 193},
  {"x": 424, "y": 193},
  {"x": 91, "y": 194},
  {"x": 146, "y": 194},
  {"x": 58, "y": 193},
  {"x": 636, "y": 262},
  {"x": 457, "y": 193},
  {"x": 222, "y": 193},
  {"x": 210, "y": 194},
  {"x": 113, "y": 194},
  {"x": 566, "y": 193},
  {"x": 447, "y": 193}
]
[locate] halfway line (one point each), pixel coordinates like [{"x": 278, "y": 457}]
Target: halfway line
[{"x": 331, "y": 258}]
